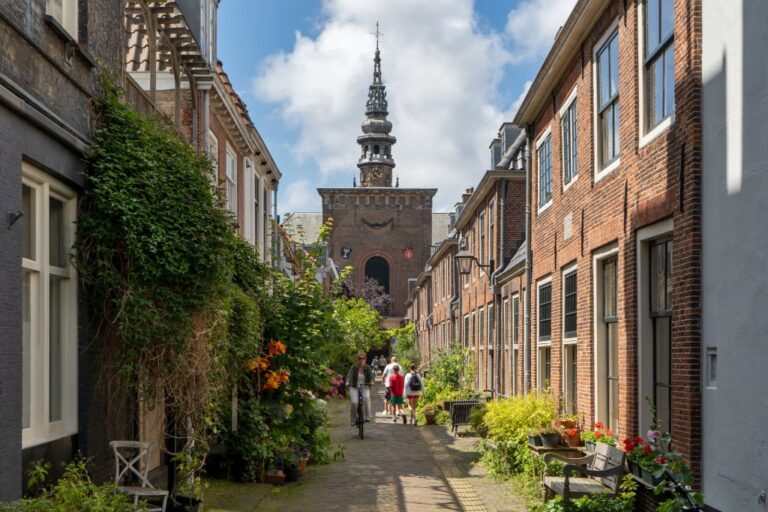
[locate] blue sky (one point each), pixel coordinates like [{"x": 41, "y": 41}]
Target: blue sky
[{"x": 454, "y": 70}]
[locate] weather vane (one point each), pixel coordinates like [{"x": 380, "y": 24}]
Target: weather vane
[{"x": 377, "y": 34}]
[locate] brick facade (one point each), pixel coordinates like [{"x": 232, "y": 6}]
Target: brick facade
[
  {"x": 391, "y": 223},
  {"x": 655, "y": 180}
]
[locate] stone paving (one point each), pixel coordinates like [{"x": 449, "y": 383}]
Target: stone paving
[{"x": 394, "y": 468}]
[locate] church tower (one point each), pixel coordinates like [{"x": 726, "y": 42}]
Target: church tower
[
  {"x": 382, "y": 231},
  {"x": 376, "y": 143}
]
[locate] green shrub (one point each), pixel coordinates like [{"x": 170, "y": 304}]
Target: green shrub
[
  {"x": 74, "y": 492},
  {"x": 476, "y": 420},
  {"x": 624, "y": 502},
  {"x": 508, "y": 423}
]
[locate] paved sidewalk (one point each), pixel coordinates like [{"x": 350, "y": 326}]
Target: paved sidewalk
[{"x": 395, "y": 468}]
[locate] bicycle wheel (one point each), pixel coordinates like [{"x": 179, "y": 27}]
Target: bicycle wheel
[{"x": 360, "y": 418}]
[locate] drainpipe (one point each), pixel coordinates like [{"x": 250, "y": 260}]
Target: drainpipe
[
  {"x": 528, "y": 266},
  {"x": 497, "y": 290}
]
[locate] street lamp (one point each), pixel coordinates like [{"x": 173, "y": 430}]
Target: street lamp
[{"x": 464, "y": 260}]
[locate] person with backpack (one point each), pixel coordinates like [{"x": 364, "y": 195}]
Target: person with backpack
[{"x": 413, "y": 389}]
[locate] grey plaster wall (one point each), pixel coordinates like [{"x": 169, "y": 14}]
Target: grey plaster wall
[{"x": 735, "y": 251}]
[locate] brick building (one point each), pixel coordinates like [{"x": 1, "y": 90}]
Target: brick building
[
  {"x": 615, "y": 222},
  {"x": 52, "y": 391},
  {"x": 382, "y": 231},
  {"x": 48, "y": 77}
]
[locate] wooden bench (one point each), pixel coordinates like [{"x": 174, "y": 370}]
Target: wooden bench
[
  {"x": 460, "y": 411},
  {"x": 599, "y": 472}
]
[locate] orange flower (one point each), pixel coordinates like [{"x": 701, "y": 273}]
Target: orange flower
[
  {"x": 599, "y": 425},
  {"x": 275, "y": 348},
  {"x": 257, "y": 364},
  {"x": 273, "y": 380},
  {"x": 609, "y": 432}
]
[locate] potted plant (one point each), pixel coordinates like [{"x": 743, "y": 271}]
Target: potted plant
[
  {"x": 430, "y": 412},
  {"x": 303, "y": 460},
  {"x": 599, "y": 434},
  {"x": 550, "y": 437},
  {"x": 534, "y": 439},
  {"x": 572, "y": 437},
  {"x": 567, "y": 421}
]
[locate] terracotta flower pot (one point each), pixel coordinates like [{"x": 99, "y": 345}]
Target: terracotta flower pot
[
  {"x": 572, "y": 441},
  {"x": 430, "y": 419}
]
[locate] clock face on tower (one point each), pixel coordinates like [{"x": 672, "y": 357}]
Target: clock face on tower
[{"x": 376, "y": 173}]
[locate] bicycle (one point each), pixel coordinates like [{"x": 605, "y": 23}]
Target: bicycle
[
  {"x": 684, "y": 490},
  {"x": 360, "y": 421}
]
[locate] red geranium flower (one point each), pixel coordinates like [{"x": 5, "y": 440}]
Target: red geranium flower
[
  {"x": 599, "y": 425},
  {"x": 661, "y": 460},
  {"x": 647, "y": 448}
]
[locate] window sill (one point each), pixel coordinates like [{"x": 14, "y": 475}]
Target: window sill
[
  {"x": 599, "y": 175},
  {"x": 570, "y": 183},
  {"x": 569, "y": 341},
  {"x": 544, "y": 343},
  {"x": 69, "y": 40},
  {"x": 544, "y": 208},
  {"x": 28, "y": 441},
  {"x": 657, "y": 131}
]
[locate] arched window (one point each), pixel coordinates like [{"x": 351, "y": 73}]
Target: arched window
[
  {"x": 376, "y": 149},
  {"x": 377, "y": 268}
]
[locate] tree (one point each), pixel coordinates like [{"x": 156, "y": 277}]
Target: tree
[{"x": 370, "y": 291}]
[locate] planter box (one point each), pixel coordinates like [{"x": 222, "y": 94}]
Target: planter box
[
  {"x": 590, "y": 446},
  {"x": 534, "y": 440},
  {"x": 551, "y": 440},
  {"x": 649, "y": 478},
  {"x": 275, "y": 479}
]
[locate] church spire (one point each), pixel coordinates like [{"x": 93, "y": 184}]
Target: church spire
[{"x": 376, "y": 161}]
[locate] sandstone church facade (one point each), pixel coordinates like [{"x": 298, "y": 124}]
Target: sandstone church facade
[{"x": 382, "y": 231}]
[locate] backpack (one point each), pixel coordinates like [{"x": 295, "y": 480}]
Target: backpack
[{"x": 415, "y": 382}]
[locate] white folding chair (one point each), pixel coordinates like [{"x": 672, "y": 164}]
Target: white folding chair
[{"x": 132, "y": 458}]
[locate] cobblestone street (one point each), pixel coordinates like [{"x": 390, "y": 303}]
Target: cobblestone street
[{"x": 395, "y": 468}]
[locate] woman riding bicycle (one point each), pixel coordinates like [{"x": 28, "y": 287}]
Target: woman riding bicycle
[{"x": 360, "y": 372}]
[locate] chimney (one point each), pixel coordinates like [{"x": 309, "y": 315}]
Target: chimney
[{"x": 467, "y": 194}]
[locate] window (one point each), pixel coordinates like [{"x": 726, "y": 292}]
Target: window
[
  {"x": 231, "y": 181},
  {"x": 265, "y": 218},
  {"x": 569, "y": 378},
  {"x": 545, "y": 368},
  {"x": 491, "y": 327},
  {"x": 658, "y": 61},
  {"x": 474, "y": 329},
  {"x": 466, "y": 331},
  {"x": 481, "y": 327},
  {"x": 491, "y": 239},
  {"x": 569, "y": 305},
  {"x": 608, "y": 100},
  {"x": 481, "y": 222},
  {"x": 610, "y": 350},
  {"x": 570, "y": 143},
  {"x": 545, "y": 312},
  {"x": 256, "y": 212},
  {"x": 213, "y": 153},
  {"x": 544, "y": 157},
  {"x": 49, "y": 310},
  {"x": 65, "y": 14},
  {"x": 661, "y": 317},
  {"x": 515, "y": 319}
]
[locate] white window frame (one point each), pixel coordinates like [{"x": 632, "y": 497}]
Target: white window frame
[
  {"x": 539, "y": 284},
  {"x": 41, "y": 429},
  {"x": 599, "y": 171},
  {"x": 230, "y": 190},
  {"x": 212, "y": 149},
  {"x": 542, "y": 386},
  {"x": 646, "y": 136},
  {"x": 567, "y": 376},
  {"x": 481, "y": 326},
  {"x": 569, "y": 102},
  {"x": 599, "y": 364},
  {"x": 567, "y": 271},
  {"x": 539, "y": 142},
  {"x": 644, "y": 237},
  {"x": 65, "y": 12}
]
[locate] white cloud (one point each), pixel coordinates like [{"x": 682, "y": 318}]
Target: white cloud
[
  {"x": 533, "y": 24},
  {"x": 441, "y": 74},
  {"x": 299, "y": 196}
]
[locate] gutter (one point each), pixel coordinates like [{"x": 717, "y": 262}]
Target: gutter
[
  {"x": 528, "y": 266},
  {"x": 495, "y": 371}
]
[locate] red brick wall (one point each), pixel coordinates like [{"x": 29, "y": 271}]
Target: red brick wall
[{"x": 645, "y": 188}]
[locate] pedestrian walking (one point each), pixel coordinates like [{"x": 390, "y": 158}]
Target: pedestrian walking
[
  {"x": 382, "y": 361},
  {"x": 375, "y": 365},
  {"x": 359, "y": 372},
  {"x": 396, "y": 388},
  {"x": 385, "y": 379},
  {"x": 413, "y": 389}
]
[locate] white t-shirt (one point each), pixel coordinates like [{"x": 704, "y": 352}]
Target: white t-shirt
[
  {"x": 388, "y": 370},
  {"x": 408, "y": 390}
]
